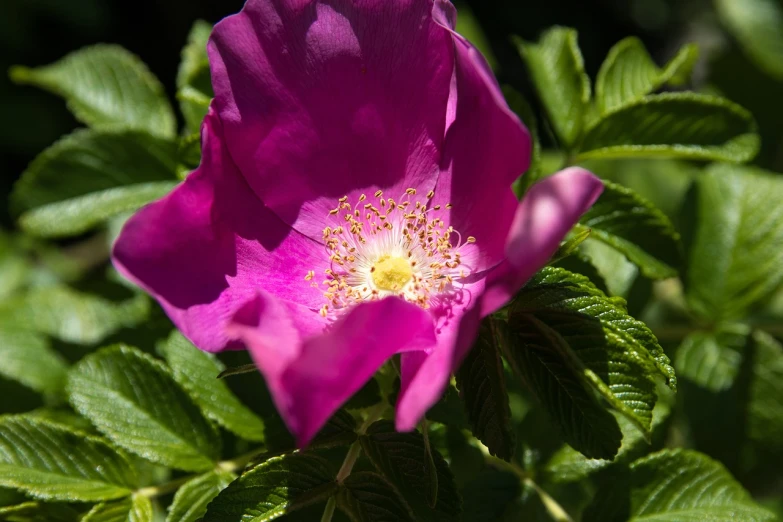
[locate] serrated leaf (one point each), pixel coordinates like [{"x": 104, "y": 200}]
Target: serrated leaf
[
  {"x": 191, "y": 500},
  {"x": 628, "y": 73},
  {"x": 133, "y": 399},
  {"x": 27, "y": 358},
  {"x": 677, "y": 125},
  {"x": 765, "y": 401},
  {"x": 557, "y": 69},
  {"x": 566, "y": 325},
  {"x": 634, "y": 227},
  {"x": 73, "y": 316},
  {"x": 105, "y": 85},
  {"x": 756, "y": 25},
  {"x": 735, "y": 259},
  {"x": 482, "y": 385},
  {"x": 276, "y": 487},
  {"x": 368, "y": 497},
  {"x": 197, "y": 371},
  {"x": 78, "y": 215},
  {"x": 339, "y": 430},
  {"x": 193, "y": 80},
  {"x": 402, "y": 459},
  {"x": 51, "y": 462},
  {"x": 676, "y": 486},
  {"x": 137, "y": 508}
]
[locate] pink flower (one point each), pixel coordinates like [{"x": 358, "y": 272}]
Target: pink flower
[{"x": 353, "y": 202}]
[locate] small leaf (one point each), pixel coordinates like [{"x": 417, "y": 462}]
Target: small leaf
[
  {"x": 196, "y": 371},
  {"x": 193, "y": 80},
  {"x": 756, "y": 25},
  {"x": 402, "y": 459},
  {"x": 678, "y": 125},
  {"x": 133, "y": 400},
  {"x": 76, "y": 317},
  {"x": 137, "y": 508},
  {"x": 51, "y": 462},
  {"x": 190, "y": 502},
  {"x": 675, "y": 485},
  {"x": 482, "y": 385},
  {"x": 28, "y": 359},
  {"x": 735, "y": 259},
  {"x": 78, "y": 215},
  {"x": 556, "y": 66},
  {"x": 276, "y": 487},
  {"x": 105, "y": 85},
  {"x": 368, "y": 497},
  {"x": 710, "y": 360},
  {"x": 633, "y": 226},
  {"x": 628, "y": 74}
]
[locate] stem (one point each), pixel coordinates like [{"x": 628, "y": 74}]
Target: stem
[
  {"x": 553, "y": 508},
  {"x": 350, "y": 460},
  {"x": 329, "y": 510}
]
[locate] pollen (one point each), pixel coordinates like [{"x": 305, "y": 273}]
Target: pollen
[{"x": 391, "y": 273}]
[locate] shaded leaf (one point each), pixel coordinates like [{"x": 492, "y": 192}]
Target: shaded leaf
[
  {"x": 368, "y": 497},
  {"x": 765, "y": 401},
  {"x": 191, "y": 500},
  {"x": 133, "y": 400},
  {"x": 105, "y": 85},
  {"x": 137, "y": 508},
  {"x": 194, "y": 86},
  {"x": 27, "y": 358},
  {"x": 756, "y": 25},
  {"x": 678, "y": 125},
  {"x": 276, "y": 487},
  {"x": 51, "y": 462}
]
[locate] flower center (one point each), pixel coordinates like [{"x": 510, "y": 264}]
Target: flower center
[
  {"x": 391, "y": 273},
  {"x": 389, "y": 247}
]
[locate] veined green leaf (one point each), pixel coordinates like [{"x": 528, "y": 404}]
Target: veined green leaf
[
  {"x": 190, "y": 502},
  {"x": 78, "y": 215},
  {"x": 634, "y": 227},
  {"x": 482, "y": 385},
  {"x": 368, "y": 497},
  {"x": 711, "y": 360},
  {"x": 105, "y": 85},
  {"x": 197, "y": 371},
  {"x": 756, "y": 25},
  {"x": 558, "y": 72},
  {"x": 678, "y": 125},
  {"x": 675, "y": 486},
  {"x": 276, "y": 487},
  {"x": 735, "y": 259},
  {"x": 137, "y": 508},
  {"x": 194, "y": 86},
  {"x": 51, "y": 462},
  {"x": 133, "y": 400},
  {"x": 27, "y": 358},
  {"x": 402, "y": 459},
  {"x": 628, "y": 73}
]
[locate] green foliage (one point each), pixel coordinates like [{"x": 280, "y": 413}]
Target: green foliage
[
  {"x": 132, "y": 509},
  {"x": 193, "y": 81},
  {"x": 675, "y": 485},
  {"x": 190, "y": 502},
  {"x": 28, "y": 359},
  {"x": 756, "y": 24},
  {"x": 51, "y": 462},
  {"x": 106, "y": 86},
  {"x": 110, "y": 387},
  {"x": 368, "y": 497}
]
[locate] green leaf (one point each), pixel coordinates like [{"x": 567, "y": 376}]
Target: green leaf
[
  {"x": 105, "y": 85},
  {"x": 575, "y": 335},
  {"x": 556, "y": 66},
  {"x": 756, "y": 25},
  {"x": 675, "y": 485},
  {"x": 76, "y": 317},
  {"x": 190, "y": 502},
  {"x": 522, "y": 108},
  {"x": 137, "y": 508},
  {"x": 628, "y": 73},
  {"x": 634, "y": 227},
  {"x": 193, "y": 79},
  {"x": 679, "y": 125},
  {"x": 28, "y": 359},
  {"x": 368, "y": 497},
  {"x": 78, "y": 215},
  {"x": 270, "y": 490},
  {"x": 735, "y": 259},
  {"x": 133, "y": 399},
  {"x": 765, "y": 402},
  {"x": 482, "y": 385},
  {"x": 39, "y": 511},
  {"x": 402, "y": 459},
  {"x": 710, "y": 360},
  {"x": 51, "y": 462},
  {"x": 196, "y": 371}
]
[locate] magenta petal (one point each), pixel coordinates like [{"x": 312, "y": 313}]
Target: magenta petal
[
  {"x": 324, "y": 99},
  {"x": 207, "y": 247},
  {"x": 485, "y": 150},
  {"x": 311, "y": 375},
  {"x": 546, "y": 214}
]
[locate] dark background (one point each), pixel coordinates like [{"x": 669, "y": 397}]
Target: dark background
[{"x": 37, "y": 32}]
